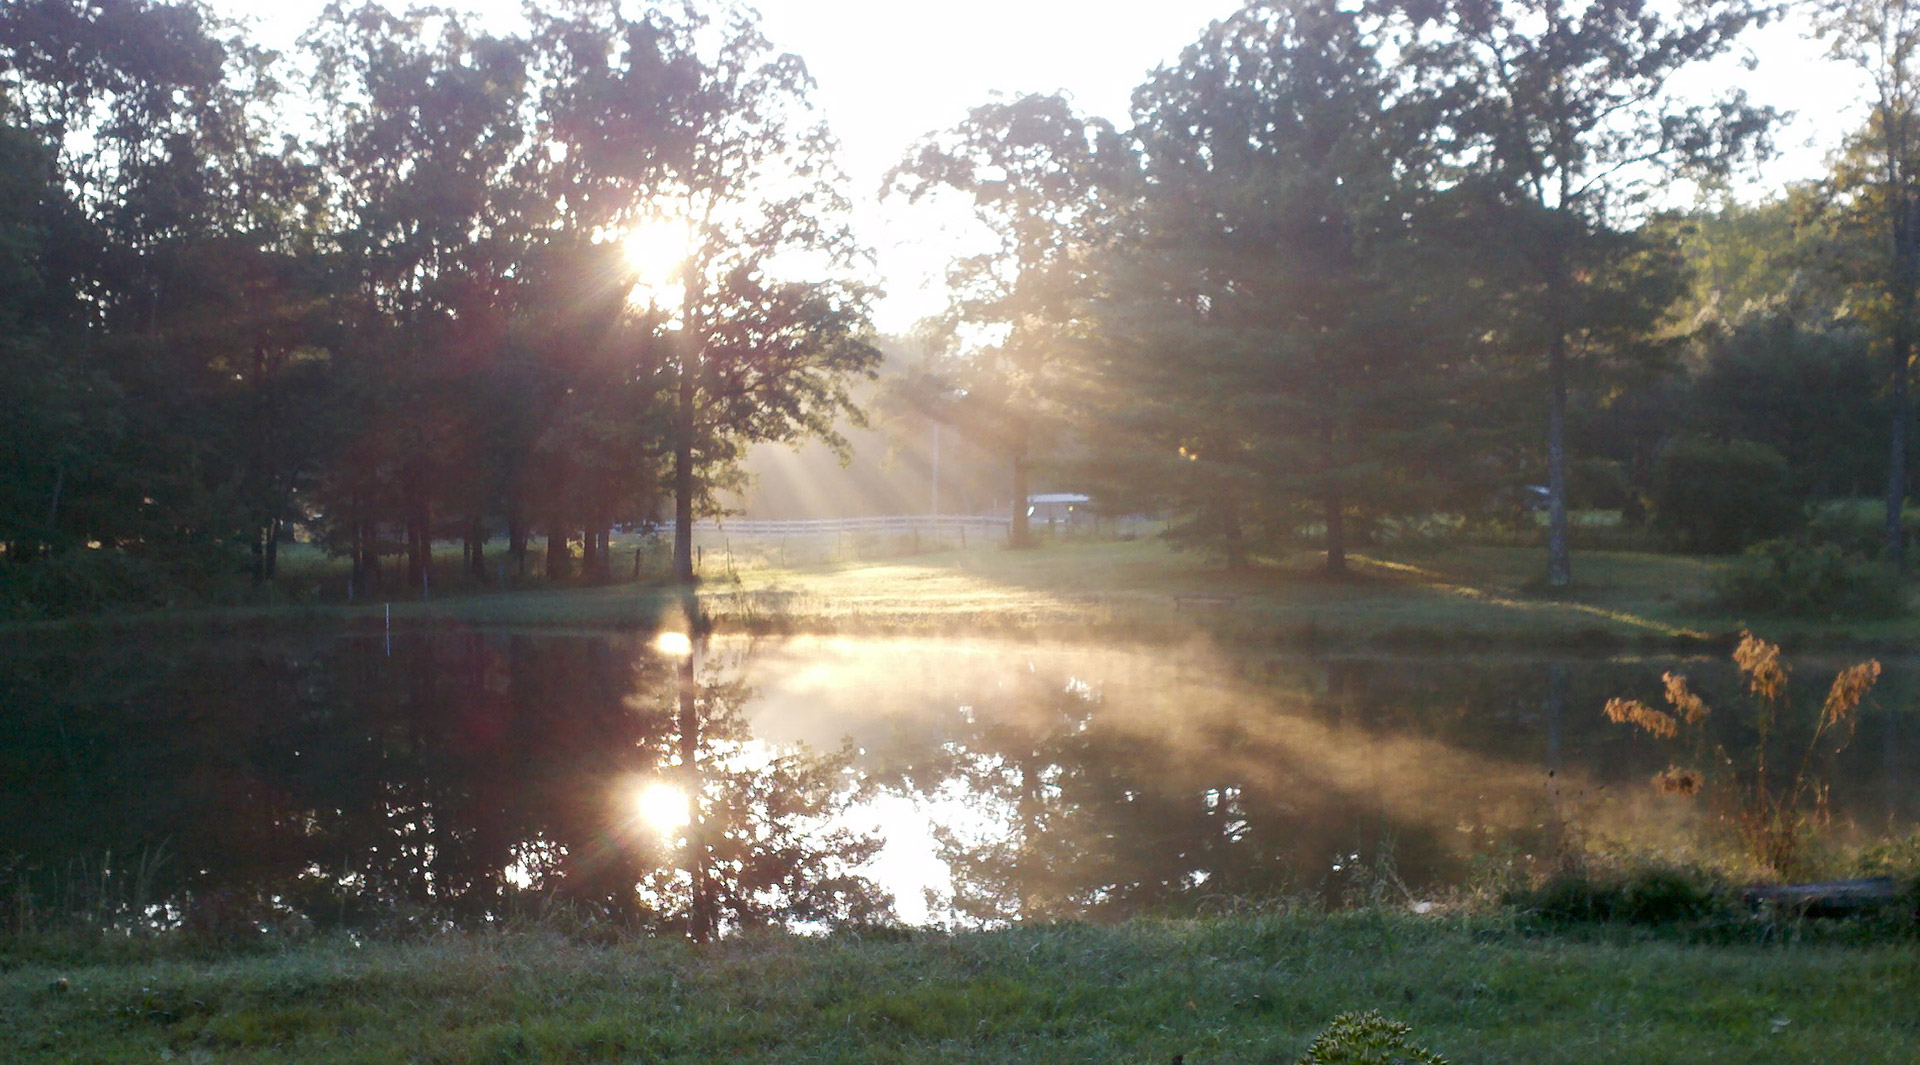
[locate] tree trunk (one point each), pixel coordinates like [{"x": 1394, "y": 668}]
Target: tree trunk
[
  {"x": 683, "y": 480},
  {"x": 1896, "y": 540},
  {"x": 1906, "y": 277},
  {"x": 517, "y": 542},
  {"x": 477, "y": 549},
  {"x": 274, "y": 528},
  {"x": 419, "y": 539},
  {"x": 700, "y": 917},
  {"x": 559, "y": 558},
  {"x": 369, "y": 556},
  {"x": 590, "y": 553},
  {"x": 1559, "y": 560},
  {"x": 1020, "y": 535},
  {"x": 1333, "y": 501},
  {"x": 1232, "y": 533},
  {"x": 1336, "y": 534}
]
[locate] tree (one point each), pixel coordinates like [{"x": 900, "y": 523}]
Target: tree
[
  {"x": 48, "y": 426},
  {"x": 1567, "y": 120},
  {"x": 1262, "y": 336},
  {"x": 692, "y": 137},
  {"x": 1037, "y": 174},
  {"x": 1881, "y": 178},
  {"x": 425, "y": 128},
  {"x": 159, "y": 174}
]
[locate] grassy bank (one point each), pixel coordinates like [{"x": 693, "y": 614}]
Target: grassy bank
[
  {"x": 1442, "y": 597},
  {"x": 1242, "y": 989}
]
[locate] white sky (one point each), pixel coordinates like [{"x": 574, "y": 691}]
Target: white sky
[{"x": 892, "y": 70}]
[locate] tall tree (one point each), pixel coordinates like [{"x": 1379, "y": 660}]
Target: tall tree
[
  {"x": 1037, "y": 175},
  {"x": 1880, "y": 180},
  {"x": 154, "y": 115},
  {"x": 425, "y": 125},
  {"x": 693, "y": 140},
  {"x": 1568, "y": 119},
  {"x": 1262, "y": 330}
]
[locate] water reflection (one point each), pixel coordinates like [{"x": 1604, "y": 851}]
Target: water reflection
[
  {"x": 472, "y": 777},
  {"x": 466, "y": 777}
]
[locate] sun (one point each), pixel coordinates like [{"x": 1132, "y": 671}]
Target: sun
[
  {"x": 662, "y": 807},
  {"x": 656, "y": 251}
]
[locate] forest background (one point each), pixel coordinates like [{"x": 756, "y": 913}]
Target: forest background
[{"x": 1343, "y": 274}]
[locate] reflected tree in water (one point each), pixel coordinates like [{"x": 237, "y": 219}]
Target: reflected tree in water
[{"x": 468, "y": 777}]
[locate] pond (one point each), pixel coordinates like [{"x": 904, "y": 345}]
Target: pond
[{"x": 475, "y": 776}]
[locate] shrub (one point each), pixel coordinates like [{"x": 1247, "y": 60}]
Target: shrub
[
  {"x": 1797, "y": 579},
  {"x": 1858, "y": 526},
  {"x": 1367, "y": 1039},
  {"x": 1655, "y": 895},
  {"x": 85, "y": 581},
  {"x": 1718, "y": 497}
]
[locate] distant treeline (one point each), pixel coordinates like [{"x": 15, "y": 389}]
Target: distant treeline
[{"x": 1341, "y": 269}]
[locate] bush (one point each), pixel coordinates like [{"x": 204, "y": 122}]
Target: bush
[
  {"x": 1718, "y": 497},
  {"x": 1367, "y": 1039},
  {"x": 85, "y": 581},
  {"x": 1859, "y": 526},
  {"x": 1796, "y": 579},
  {"x": 1656, "y": 895}
]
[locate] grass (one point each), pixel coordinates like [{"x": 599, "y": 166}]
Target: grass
[
  {"x": 1451, "y": 597},
  {"x": 1227, "y": 989}
]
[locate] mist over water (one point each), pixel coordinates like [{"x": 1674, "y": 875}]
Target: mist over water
[{"x": 471, "y": 777}]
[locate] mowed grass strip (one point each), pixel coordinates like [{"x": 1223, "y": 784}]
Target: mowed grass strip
[
  {"x": 1244, "y": 989},
  {"x": 1443, "y": 596}
]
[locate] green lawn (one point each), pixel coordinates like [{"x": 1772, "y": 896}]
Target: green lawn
[
  {"x": 1447, "y": 597},
  {"x": 1246, "y": 989}
]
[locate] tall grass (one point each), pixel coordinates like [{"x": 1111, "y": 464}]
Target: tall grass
[{"x": 1767, "y": 777}]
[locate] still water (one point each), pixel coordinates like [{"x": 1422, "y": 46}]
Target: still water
[{"x": 472, "y": 776}]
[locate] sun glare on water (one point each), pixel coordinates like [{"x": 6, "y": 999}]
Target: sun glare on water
[{"x": 673, "y": 644}]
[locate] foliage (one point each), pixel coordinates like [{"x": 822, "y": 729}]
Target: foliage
[
  {"x": 1794, "y": 578},
  {"x": 1715, "y": 497},
  {"x": 1643, "y": 895},
  {"x": 1367, "y": 1039},
  {"x": 1810, "y": 391},
  {"x": 1041, "y": 179},
  {"x": 1770, "y": 782},
  {"x": 1263, "y": 348},
  {"x": 1855, "y": 526},
  {"x": 1874, "y": 193},
  {"x": 1567, "y": 119},
  {"x": 698, "y": 128},
  {"x": 80, "y": 581}
]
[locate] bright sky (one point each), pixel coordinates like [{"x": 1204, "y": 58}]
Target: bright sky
[{"x": 892, "y": 70}]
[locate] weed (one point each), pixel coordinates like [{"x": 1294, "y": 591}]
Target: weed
[
  {"x": 1367, "y": 1039},
  {"x": 1776, "y": 810}
]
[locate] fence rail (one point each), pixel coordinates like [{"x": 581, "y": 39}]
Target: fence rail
[{"x": 901, "y": 523}]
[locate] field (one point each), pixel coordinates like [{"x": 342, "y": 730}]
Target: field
[
  {"x": 1441, "y": 597},
  {"x": 1226, "y": 989}
]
